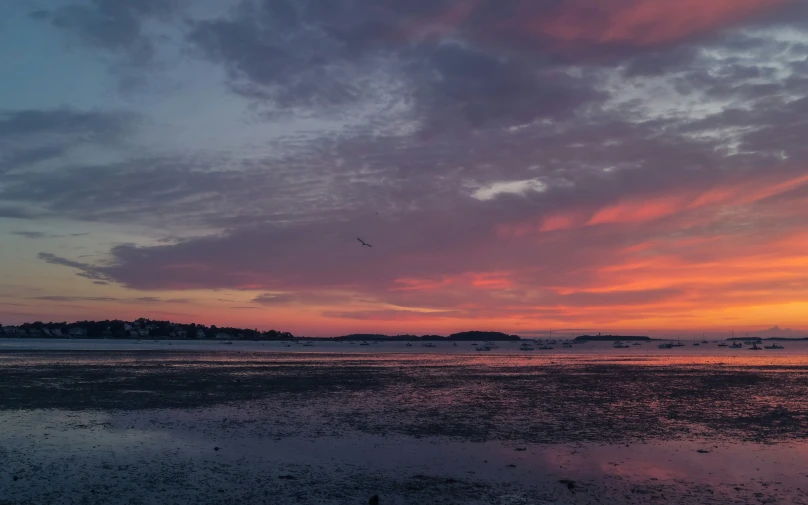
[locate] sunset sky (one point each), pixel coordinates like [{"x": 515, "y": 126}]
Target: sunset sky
[{"x": 517, "y": 165}]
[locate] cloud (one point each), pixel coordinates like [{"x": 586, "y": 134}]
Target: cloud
[
  {"x": 577, "y": 23},
  {"x": 274, "y": 299},
  {"x": 112, "y": 25},
  {"x": 85, "y": 270},
  {"x": 41, "y": 235},
  {"x": 301, "y": 55},
  {"x": 13, "y": 212},
  {"x": 81, "y": 124},
  {"x": 29, "y": 137},
  {"x": 141, "y": 299},
  {"x": 30, "y": 234},
  {"x": 510, "y": 187},
  {"x": 513, "y": 160}
]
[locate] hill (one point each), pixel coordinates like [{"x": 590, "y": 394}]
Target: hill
[{"x": 610, "y": 338}]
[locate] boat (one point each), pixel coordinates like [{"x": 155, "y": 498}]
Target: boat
[
  {"x": 723, "y": 344},
  {"x": 525, "y": 347},
  {"x": 773, "y": 346},
  {"x": 620, "y": 345},
  {"x": 704, "y": 342},
  {"x": 308, "y": 344},
  {"x": 566, "y": 345},
  {"x": 545, "y": 348},
  {"x": 736, "y": 345},
  {"x": 695, "y": 343},
  {"x": 408, "y": 344},
  {"x": 754, "y": 347},
  {"x": 429, "y": 344},
  {"x": 454, "y": 344},
  {"x": 669, "y": 345},
  {"x": 364, "y": 343},
  {"x": 482, "y": 348},
  {"x": 226, "y": 343}
]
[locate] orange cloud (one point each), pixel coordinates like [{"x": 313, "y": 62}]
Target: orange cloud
[
  {"x": 638, "y": 211},
  {"x": 477, "y": 280},
  {"x": 639, "y": 22},
  {"x": 654, "y": 207}
]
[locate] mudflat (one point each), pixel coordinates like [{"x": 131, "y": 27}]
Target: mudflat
[{"x": 273, "y": 427}]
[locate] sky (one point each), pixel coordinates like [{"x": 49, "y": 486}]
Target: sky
[{"x": 516, "y": 165}]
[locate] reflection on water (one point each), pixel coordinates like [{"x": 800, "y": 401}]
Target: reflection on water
[
  {"x": 794, "y": 352},
  {"x": 104, "y": 424},
  {"x": 165, "y": 456}
]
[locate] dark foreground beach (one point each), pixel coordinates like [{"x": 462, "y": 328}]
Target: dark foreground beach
[{"x": 161, "y": 427}]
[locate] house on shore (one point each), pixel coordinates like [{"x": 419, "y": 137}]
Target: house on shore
[{"x": 77, "y": 331}]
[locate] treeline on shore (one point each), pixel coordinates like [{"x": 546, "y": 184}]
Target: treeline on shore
[{"x": 139, "y": 328}]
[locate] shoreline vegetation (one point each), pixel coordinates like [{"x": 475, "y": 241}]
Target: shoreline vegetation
[{"x": 165, "y": 330}]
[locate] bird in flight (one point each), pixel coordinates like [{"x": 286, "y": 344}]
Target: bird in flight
[{"x": 363, "y": 242}]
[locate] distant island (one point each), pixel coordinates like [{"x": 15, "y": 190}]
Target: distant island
[
  {"x": 464, "y": 336},
  {"x": 609, "y": 338}
]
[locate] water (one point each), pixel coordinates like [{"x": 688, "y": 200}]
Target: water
[
  {"x": 93, "y": 421},
  {"x": 794, "y": 352}
]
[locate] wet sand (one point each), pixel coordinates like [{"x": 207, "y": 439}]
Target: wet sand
[{"x": 271, "y": 427}]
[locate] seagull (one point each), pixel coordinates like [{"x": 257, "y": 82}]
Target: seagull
[{"x": 363, "y": 242}]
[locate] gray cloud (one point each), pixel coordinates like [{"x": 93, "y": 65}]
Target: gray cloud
[
  {"x": 12, "y": 212},
  {"x": 112, "y": 25},
  {"x": 305, "y": 55},
  {"x": 85, "y": 270},
  {"x": 142, "y": 299},
  {"x": 274, "y": 299},
  {"x": 581, "y": 128},
  {"x": 41, "y": 235},
  {"x": 30, "y": 234},
  {"x": 80, "y": 124},
  {"x": 28, "y": 137}
]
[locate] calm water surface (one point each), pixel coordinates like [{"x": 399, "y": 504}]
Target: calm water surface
[{"x": 202, "y": 422}]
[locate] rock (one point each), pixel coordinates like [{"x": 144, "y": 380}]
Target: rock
[
  {"x": 703, "y": 451},
  {"x": 520, "y": 449},
  {"x": 374, "y": 500},
  {"x": 570, "y": 483},
  {"x": 287, "y": 477},
  {"x": 15, "y": 478},
  {"x": 215, "y": 448}
]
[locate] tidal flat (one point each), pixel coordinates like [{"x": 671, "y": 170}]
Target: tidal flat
[{"x": 275, "y": 427}]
